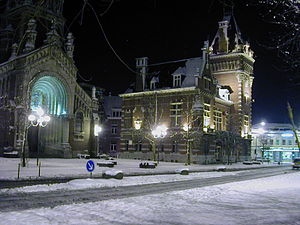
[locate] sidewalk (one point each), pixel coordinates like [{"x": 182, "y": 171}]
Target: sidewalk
[{"x": 76, "y": 168}]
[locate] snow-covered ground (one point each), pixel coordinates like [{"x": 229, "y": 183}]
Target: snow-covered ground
[
  {"x": 77, "y": 168},
  {"x": 274, "y": 200},
  {"x": 126, "y": 181}
]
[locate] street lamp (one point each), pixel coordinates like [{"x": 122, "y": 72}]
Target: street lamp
[
  {"x": 138, "y": 124},
  {"x": 38, "y": 118},
  {"x": 97, "y": 130},
  {"x": 159, "y": 132}
]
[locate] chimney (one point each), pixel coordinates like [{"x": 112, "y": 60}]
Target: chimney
[
  {"x": 223, "y": 36},
  {"x": 141, "y": 73}
]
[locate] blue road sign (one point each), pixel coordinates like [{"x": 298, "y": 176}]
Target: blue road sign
[{"x": 90, "y": 166}]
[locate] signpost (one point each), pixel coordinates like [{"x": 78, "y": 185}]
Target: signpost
[{"x": 90, "y": 166}]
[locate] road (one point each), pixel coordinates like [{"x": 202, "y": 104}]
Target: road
[{"x": 21, "y": 201}]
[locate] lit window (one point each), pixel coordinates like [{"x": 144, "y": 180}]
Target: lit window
[
  {"x": 246, "y": 124},
  {"x": 206, "y": 114},
  {"x": 218, "y": 119}
]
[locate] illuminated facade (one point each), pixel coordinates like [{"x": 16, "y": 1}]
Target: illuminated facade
[
  {"x": 275, "y": 142},
  {"x": 37, "y": 71},
  {"x": 210, "y": 95}
]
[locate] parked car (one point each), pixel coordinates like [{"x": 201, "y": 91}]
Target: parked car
[{"x": 296, "y": 163}]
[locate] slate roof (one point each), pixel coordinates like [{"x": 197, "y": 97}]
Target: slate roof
[{"x": 188, "y": 68}]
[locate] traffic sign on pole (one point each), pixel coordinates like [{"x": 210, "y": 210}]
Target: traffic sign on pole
[{"x": 90, "y": 166}]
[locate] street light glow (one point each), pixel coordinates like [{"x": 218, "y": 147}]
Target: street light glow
[
  {"x": 186, "y": 127},
  {"x": 160, "y": 131},
  {"x": 31, "y": 117},
  {"x": 137, "y": 124},
  {"x": 97, "y": 130},
  {"x": 40, "y": 112}
]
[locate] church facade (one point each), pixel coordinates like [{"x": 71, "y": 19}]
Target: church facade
[
  {"x": 204, "y": 102},
  {"x": 37, "y": 71}
]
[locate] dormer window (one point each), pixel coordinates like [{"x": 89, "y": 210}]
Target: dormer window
[
  {"x": 177, "y": 80},
  {"x": 154, "y": 83}
]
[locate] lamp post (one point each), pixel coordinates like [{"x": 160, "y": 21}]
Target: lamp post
[
  {"x": 38, "y": 119},
  {"x": 159, "y": 132},
  {"x": 193, "y": 115},
  {"x": 187, "y": 128}
]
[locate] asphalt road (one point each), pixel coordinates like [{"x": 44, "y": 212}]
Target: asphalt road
[{"x": 21, "y": 201}]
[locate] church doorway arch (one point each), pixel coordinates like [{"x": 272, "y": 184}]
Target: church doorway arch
[{"x": 50, "y": 94}]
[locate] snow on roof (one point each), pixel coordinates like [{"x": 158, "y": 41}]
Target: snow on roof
[
  {"x": 268, "y": 126},
  {"x": 191, "y": 68}
]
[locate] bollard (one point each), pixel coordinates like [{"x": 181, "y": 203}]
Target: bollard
[
  {"x": 19, "y": 170},
  {"x": 91, "y": 174},
  {"x": 40, "y": 168}
]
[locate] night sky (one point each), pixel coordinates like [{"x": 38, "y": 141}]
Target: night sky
[{"x": 166, "y": 30}]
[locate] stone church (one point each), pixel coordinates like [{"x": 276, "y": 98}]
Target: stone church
[
  {"x": 205, "y": 103},
  {"x": 37, "y": 70}
]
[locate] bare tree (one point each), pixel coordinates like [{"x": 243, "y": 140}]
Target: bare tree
[
  {"x": 285, "y": 39},
  {"x": 228, "y": 141}
]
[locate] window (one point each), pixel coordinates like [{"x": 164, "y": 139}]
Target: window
[
  {"x": 207, "y": 83},
  {"x": 175, "y": 111},
  {"x": 246, "y": 124},
  {"x": 283, "y": 142},
  {"x": 277, "y": 142},
  {"x": 128, "y": 118},
  {"x": 138, "y": 146},
  {"x": 126, "y": 145},
  {"x": 177, "y": 80},
  {"x": 290, "y": 142},
  {"x": 271, "y": 142},
  {"x": 175, "y": 146},
  {"x": 79, "y": 122},
  {"x": 113, "y": 147},
  {"x": 218, "y": 119},
  {"x": 153, "y": 83},
  {"x": 116, "y": 112},
  {"x": 206, "y": 114},
  {"x": 114, "y": 129}
]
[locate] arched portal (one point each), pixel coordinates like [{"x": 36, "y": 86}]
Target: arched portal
[{"x": 50, "y": 94}]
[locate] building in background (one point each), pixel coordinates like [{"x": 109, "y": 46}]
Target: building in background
[
  {"x": 111, "y": 126},
  {"x": 275, "y": 142},
  {"x": 37, "y": 70},
  {"x": 205, "y": 103}
]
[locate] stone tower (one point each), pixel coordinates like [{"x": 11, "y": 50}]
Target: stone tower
[
  {"x": 14, "y": 22},
  {"x": 232, "y": 62}
]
